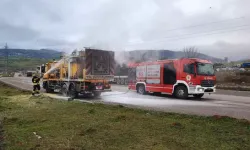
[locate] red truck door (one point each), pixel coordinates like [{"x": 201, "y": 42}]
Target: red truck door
[{"x": 188, "y": 74}]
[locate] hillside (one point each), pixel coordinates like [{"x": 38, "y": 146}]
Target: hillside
[
  {"x": 21, "y": 59},
  {"x": 21, "y": 63},
  {"x": 43, "y": 53}
]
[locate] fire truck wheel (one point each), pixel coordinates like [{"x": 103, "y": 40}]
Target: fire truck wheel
[
  {"x": 198, "y": 95},
  {"x": 181, "y": 92},
  {"x": 141, "y": 89}
]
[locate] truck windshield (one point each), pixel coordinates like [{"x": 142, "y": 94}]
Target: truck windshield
[{"x": 205, "y": 69}]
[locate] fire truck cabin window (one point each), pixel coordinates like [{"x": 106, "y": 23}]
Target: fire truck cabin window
[
  {"x": 189, "y": 68},
  {"x": 205, "y": 69}
]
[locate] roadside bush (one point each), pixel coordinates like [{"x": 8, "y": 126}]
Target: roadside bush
[{"x": 232, "y": 77}]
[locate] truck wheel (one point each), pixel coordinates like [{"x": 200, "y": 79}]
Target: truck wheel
[
  {"x": 126, "y": 81},
  {"x": 122, "y": 82},
  {"x": 141, "y": 89},
  {"x": 118, "y": 81},
  {"x": 48, "y": 90},
  {"x": 64, "y": 90},
  {"x": 181, "y": 92},
  {"x": 97, "y": 94},
  {"x": 72, "y": 92},
  {"x": 44, "y": 84},
  {"x": 198, "y": 95}
]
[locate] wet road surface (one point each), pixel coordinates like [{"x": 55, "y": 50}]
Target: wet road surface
[{"x": 226, "y": 103}]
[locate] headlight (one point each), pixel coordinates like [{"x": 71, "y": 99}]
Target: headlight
[{"x": 200, "y": 89}]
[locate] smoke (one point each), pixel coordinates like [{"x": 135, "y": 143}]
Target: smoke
[
  {"x": 121, "y": 57},
  {"x": 116, "y": 23}
]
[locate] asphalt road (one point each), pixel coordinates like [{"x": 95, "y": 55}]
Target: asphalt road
[{"x": 225, "y": 103}]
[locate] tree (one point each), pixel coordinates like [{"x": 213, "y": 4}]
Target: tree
[{"x": 191, "y": 52}]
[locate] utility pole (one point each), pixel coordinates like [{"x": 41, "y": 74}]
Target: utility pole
[{"x": 6, "y": 57}]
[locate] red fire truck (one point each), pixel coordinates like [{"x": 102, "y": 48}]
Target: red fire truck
[{"x": 180, "y": 77}]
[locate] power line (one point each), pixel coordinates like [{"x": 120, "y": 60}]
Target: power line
[
  {"x": 223, "y": 31},
  {"x": 204, "y": 24},
  {"x": 215, "y": 33}
]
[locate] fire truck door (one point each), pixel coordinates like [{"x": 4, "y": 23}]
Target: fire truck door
[
  {"x": 188, "y": 74},
  {"x": 169, "y": 77}
]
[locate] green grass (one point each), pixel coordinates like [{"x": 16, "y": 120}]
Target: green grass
[{"x": 75, "y": 125}]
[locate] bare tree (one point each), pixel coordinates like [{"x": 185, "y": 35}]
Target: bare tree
[{"x": 191, "y": 52}]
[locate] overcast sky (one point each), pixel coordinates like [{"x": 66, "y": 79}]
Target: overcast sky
[{"x": 217, "y": 27}]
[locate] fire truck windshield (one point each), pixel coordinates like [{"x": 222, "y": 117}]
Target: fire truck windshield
[{"x": 205, "y": 69}]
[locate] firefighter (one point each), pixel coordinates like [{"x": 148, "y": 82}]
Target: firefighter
[{"x": 36, "y": 84}]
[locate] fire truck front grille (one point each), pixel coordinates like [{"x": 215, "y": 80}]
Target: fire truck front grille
[{"x": 207, "y": 83}]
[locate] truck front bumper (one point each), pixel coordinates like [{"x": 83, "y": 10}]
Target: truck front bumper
[{"x": 201, "y": 90}]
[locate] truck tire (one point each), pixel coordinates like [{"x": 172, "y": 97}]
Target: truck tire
[
  {"x": 97, "y": 94},
  {"x": 181, "y": 92},
  {"x": 198, "y": 95},
  {"x": 126, "y": 81},
  {"x": 122, "y": 81},
  {"x": 44, "y": 84},
  {"x": 118, "y": 81},
  {"x": 72, "y": 91},
  {"x": 64, "y": 90},
  {"x": 141, "y": 89},
  {"x": 47, "y": 89}
]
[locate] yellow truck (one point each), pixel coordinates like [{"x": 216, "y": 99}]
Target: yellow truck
[{"x": 84, "y": 72}]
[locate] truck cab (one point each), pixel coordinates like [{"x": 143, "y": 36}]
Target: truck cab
[{"x": 198, "y": 76}]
